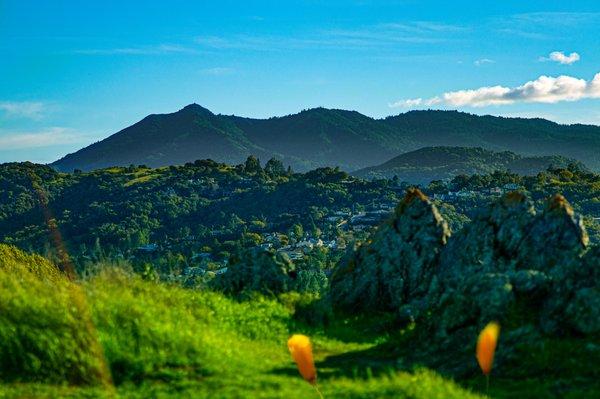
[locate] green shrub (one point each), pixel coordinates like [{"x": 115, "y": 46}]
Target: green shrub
[
  {"x": 45, "y": 330},
  {"x": 309, "y": 308},
  {"x": 255, "y": 270},
  {"x": 54, "y": 330}
]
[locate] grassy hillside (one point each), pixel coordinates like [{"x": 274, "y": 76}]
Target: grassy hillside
[
  {"x": 438, "y": 163},
  {"x": 326, "y": 137},
  {"x": 114, "y": 333}
]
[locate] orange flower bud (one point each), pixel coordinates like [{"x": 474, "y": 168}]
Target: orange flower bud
[
  {"x": 301, "y": 350},
  {"x": 486, "y": 346}
]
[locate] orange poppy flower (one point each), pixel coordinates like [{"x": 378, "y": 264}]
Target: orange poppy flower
[
  {"x": 301, "y": 350},
  {"x": 486, "y": 346}
]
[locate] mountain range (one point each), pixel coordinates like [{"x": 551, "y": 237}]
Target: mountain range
[
  {"x": 431, "y": 163},
  {"x": 326, "y": 137}
]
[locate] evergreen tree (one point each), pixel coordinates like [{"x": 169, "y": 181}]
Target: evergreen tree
[
  {"x": 274, "y": 167},
  {"x": 252, "y": 165}
]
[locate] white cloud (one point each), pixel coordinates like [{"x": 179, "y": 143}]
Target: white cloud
[
  {"x": 43, "y": 138},
  {"x": 545, "y": 89},
  {"x": 483, "y": 61},
  {"x": 22, "y": 109},
  {"x": 562, "y": 58},
  {"x": 410, "y": 103}
]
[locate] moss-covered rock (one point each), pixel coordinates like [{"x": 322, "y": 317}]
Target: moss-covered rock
[
  {"x": 257, "y": 270},
  {"x": 531, "y": 271},
  {"x": 393, "y": 269},
  {"x": 509, "y": 253}
]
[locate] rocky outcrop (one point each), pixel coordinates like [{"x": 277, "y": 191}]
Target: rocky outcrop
[
  {"x": 554, "y": 240},
  {"x": 509, "y": 257},
  {"x": 576, "y": 301},
  {"x": 394, "y": 268},
  {"x": 267, "y": 272},
  {"x": 490, "y": 242},
  {"x": 531, "y": 271}
]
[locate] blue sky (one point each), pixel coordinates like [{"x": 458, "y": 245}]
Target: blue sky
[{"x": 74, "y": 72}]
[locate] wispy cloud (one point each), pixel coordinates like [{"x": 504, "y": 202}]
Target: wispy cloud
[
  {"x": 385, "y": 35},
  {"x": 562, "y": 58},
  {"x": 557, "y": 18},
  {"x": 43, "y": 138},
  {"x": 483, "y": 61},
  {"x": 545, "y": 89},
  {"x": 544, "y": 25},
  {"x": 374, "y": 36},
  {"x": 367, "y": 37},
  {"x": 217, "y": 71},
  {"x": 424, "y": 27},
  {"x": 525, "y": 33},
  {"x": 160, "y": 49},
  {"x": 23, "y": 109}
]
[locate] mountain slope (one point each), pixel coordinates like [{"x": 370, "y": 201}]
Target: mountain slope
[
  {"x": 158, "y": 140},
  {"x": 431, "y": 163},
  {"x": 525, "y": 136},
  {"x": 326, "y": 137}
]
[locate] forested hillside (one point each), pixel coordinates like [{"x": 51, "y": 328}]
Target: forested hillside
[
  {"x": 200, "y": 214},
  {"x": 326, "y": 137},
  {"x": 438, "y": 163},
  {"x": 397, "y": 317}
]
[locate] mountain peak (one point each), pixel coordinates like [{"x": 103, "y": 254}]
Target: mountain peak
[
  {"x": 323, "y": 137},
  {"x": 196, "y": 109},
  {"x": 323, "y": 111}
]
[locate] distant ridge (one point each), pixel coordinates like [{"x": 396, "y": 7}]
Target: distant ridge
[
  {"x": 326, "y": 137},
  {"x": 438, "y": 163}
]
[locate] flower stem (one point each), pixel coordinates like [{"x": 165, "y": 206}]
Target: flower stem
[{"x": 318, "y": 391}]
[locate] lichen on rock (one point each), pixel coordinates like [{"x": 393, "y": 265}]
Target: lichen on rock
[
  {"x": 394, "y": 268},
  {"x": 510, "y": 262},
  {"x": 531, "y": 271},
  {"x": 509, "y": 256}
]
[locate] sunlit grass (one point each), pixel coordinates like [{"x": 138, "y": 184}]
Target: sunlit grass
[
  {"x": 76, "y": 339},
  {"x": 159, "y": 340},
  {"x": 142, "y": 179}
]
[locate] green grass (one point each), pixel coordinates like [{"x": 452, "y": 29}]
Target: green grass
[
  {"x": 45, "y": 328},
  {"x": 550, "y": 368},
  {"x": 422, "y": 384},
  {"x": 116, "y": 335},
  {"x": 142, "y": 179}
]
